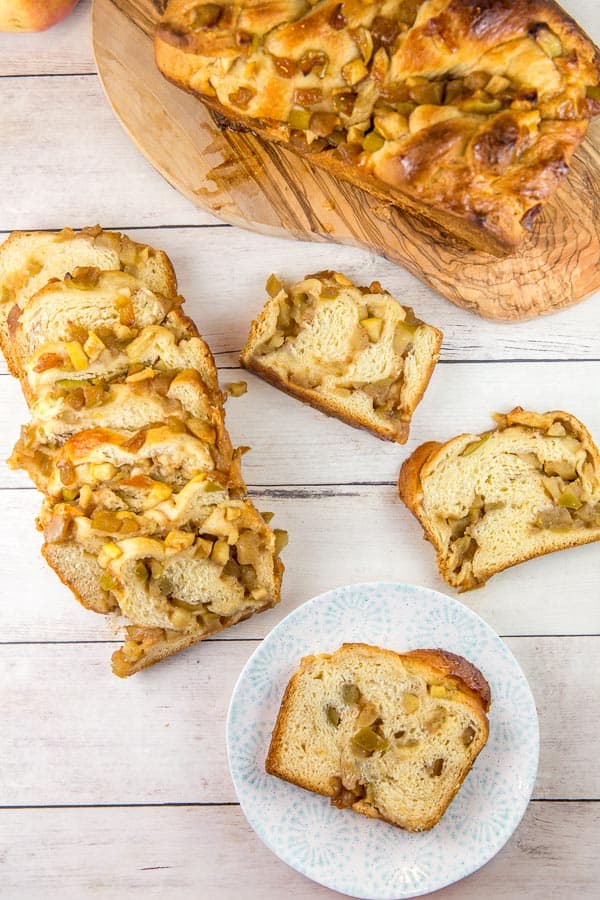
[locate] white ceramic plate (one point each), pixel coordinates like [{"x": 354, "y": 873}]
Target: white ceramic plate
[{"x": 348, "y": 852}]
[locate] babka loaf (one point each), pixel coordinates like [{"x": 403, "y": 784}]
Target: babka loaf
[{"x": 467, "y": 114}]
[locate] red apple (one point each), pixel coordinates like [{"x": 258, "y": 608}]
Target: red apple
[{"x": 33, "y": 15}]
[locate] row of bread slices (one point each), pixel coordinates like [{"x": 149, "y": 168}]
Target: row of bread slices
[{"x": 145, "y": 510}]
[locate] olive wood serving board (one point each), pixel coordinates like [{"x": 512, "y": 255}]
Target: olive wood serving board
[{"x": 266, "y": 188}]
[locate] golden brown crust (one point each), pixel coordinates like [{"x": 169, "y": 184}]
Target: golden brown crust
[
  {"x": 322, "y": 404},
  {"x": 410, "y": 474},
  {"x": 271, "y": 764},
  {"x": 459, "y": 669},
  {"x": 520, "y": 416},
  {"x": 434, "y": 664},
  {"x": 477, "y": 162},
  {"x": 426, "y": 457}
]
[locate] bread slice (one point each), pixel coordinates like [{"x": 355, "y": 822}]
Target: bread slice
[
  {"x": 490, "y": 501},
  {"x": 176, "y": 587},
  {"x": 57, "y": 322},
  {"x": 165, "y": 451},
  {"x": 466, "y": 114},
  {"x": 76, "y": 531},
  {"x": 352, "y": 352},
  {"x": 122, "y": 403},
  {"x": 171, "y": 345},
  {"x": 390, "y": 735},
  {"x": 28, "y": 260},
  {"x": 120, "y": 412},
  {"x": 134, "y": 504}
]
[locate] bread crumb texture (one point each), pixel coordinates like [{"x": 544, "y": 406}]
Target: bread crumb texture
[
  {"x": 489, "y": 501},
  {"x": 353, "y": 352},
  {"x": 391, "y": 736}
]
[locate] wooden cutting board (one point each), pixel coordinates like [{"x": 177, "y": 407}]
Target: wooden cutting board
[{"x": 267, "y": 189}]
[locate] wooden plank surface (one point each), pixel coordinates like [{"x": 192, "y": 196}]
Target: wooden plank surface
[
  {"x": 73, "y": 734},
  {"x": 61, "y": 130},
  {"x": 264, "y": 187},
  {"x": 130, "y": 853},
  {"x": 161, "y": 738}
]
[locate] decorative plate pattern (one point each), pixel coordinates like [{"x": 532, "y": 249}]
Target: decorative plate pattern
[{"x": 340, "y": 849}]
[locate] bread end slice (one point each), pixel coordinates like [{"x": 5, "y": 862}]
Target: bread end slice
[
  {"x": 390, "y": 735},
  {"x": 146, "y": 646},
  {"x": 489, "y": 501},
  {"x": 354, "y": 353}
]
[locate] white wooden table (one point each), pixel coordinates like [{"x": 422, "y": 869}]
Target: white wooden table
[{"x": 120, "y": 789}]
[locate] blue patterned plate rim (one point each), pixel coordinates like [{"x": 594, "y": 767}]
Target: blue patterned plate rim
[{"x": 310, "y": 835}]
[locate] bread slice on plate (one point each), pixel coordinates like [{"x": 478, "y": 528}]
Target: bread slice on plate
[
  {"x": 390, "y": 735},
  {"x": 28, "y": 260},
  {"x": 352, "y": 352},
  {"x": 177, "y": 586},
  {"x": 489, "y": 501}
]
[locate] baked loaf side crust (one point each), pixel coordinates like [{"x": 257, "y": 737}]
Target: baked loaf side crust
[
  {"x": 491, "y": 501},
  {"x": 146, "y": 646},
  {"x": 467, "y": 115},
  {"x": 453, "y": 667},
  {"x": 351, "y": 352},
  {"x": 423, "y": 691}
]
